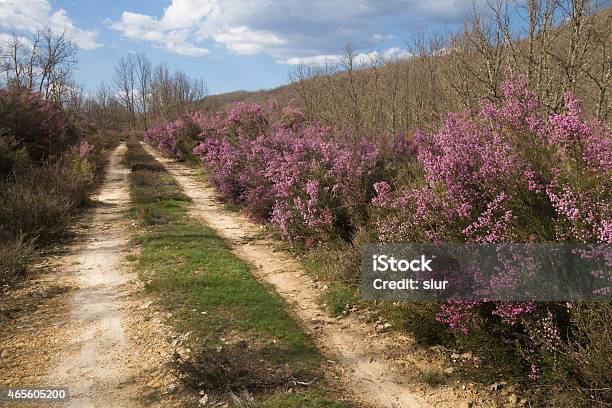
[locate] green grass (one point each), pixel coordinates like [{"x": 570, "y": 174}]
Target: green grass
[
  {"x": 313, "y": 399},
  {"x": 241, "y": 335},
  {"x": 339, "y": 297}
]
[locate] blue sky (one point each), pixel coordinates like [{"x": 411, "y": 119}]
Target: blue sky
[{"x": 232, "y": 44}]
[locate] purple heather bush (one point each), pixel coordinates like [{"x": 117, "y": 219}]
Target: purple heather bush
[
  {"x": 309, "y": 180},
  {"x": 39, "y": 127},
  {"x": 506, "y": 172}
]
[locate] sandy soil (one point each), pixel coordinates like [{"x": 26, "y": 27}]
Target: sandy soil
[
  {"x": 82, "y": 322},
  {"x": 378, "y": 369}
]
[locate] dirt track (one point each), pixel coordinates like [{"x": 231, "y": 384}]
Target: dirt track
[
  {"x": 94, "y": 362},
  {"x": 85, "y": 324},
  {"x": 378, "y": 370},
  {"x": 80, "y": 325}
]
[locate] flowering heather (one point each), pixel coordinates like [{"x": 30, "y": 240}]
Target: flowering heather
[
  {"x": 41, "y": 126},
  {"x": 506, "y": 172},
  {"x": 84, "y": 149},
  {"x": 164, "y": 136},
  {"x": 309, "y": 180}
]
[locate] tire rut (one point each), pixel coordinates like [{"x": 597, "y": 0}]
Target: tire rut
[{"x": 362, "y": 366}]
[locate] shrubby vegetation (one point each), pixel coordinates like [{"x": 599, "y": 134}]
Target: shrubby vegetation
[
  {"x": 48, "y": 166},
  {"x": 506, "y": 172},
  {"x": 52, "y": 144}
]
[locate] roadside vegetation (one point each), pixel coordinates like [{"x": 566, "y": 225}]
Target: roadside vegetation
[
  {"x": 55, "y": 137},
  {"x": 49, "y": 164},
  {"x": 239, "y": 338}
]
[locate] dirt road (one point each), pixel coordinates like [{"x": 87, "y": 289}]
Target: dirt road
[
  {"x": 79, "y": 325},
  {"x": 85, "y": 323},
  {"x": 95, "y": 362},
  {"x": 359, "y": 356}
]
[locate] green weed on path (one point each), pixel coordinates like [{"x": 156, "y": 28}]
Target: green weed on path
[{"x": 237, "y": 330}]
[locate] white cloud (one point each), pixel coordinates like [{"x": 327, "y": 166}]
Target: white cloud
[
  {"x": 143, "y": 27},
  {"x": 394, "y": 53},
  {"x": 382, "y": 37},
  {"x": 316, "y": 60},
  {"x": 288, "y": 30},
  {"x": 390, "y": 54},
  {"x": 34, "y": 15},
  {"x": 243, "y": 40},
  {"x": 187, "y": 49},
  {"x": 187, "y": 13}
]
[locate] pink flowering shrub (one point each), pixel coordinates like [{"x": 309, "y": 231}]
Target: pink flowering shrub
[
  {"x": 503, "y": 173},
  {"x": 84, "y": 149},
  {"x": 309, "y": 180},
  {"x": 164, "y": 136},
  {"x": 507, "y": 173},
  {"x": 40, "y": 127},
  {"x": 175, "y": 139}
]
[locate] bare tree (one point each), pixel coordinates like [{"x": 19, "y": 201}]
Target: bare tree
[
  {"x": 144, "y": 73},
  {"x": 124, "y": 81},
  {"x": 172, "y": 94},
  {"x": 42, "y": 62},
  {"x": 13, "y": 64},
  {"x": 55, "y": 60}
]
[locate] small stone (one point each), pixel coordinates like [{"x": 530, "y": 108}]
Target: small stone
[
  {"x": 512, "y": 399},
  {"x": 382, "y": 327},
  {"x": 449, "y": 370},
  {"x": 204, "y": 400},
  {"x": 466, "y": 404},
  {"x": 498, "y": 386},
  {"x": 202, "y": 392},
  {"x": 146, "y": 305},
  {"x": 171, "y": 388}
]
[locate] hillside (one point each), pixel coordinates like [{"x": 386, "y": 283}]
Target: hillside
[
  {"x": 450, "y": 72},
  {"x": 283, "y": 95}
]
